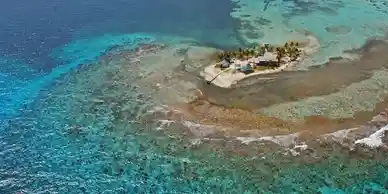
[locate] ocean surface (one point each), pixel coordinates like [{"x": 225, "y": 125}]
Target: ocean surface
[{"x": 55, "y": 139}]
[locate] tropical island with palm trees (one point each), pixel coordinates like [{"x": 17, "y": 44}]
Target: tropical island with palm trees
[{"x": 233, "y": 66}]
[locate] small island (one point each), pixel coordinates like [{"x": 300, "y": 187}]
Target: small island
[{"x": 232, "y": 66}]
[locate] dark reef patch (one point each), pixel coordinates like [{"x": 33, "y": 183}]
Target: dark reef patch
[
  {"x": 245, "y": 15},
  {"x": 341, "y": 29},
  {"x": 253, "y": 34},
  {"x": 328, "y": 10},
  {"x": 262, "y": 21}
]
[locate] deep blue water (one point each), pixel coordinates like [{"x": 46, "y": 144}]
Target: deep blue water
[
  {"x": 31, "y": 30},
  {"x": 52, "y": 141}
]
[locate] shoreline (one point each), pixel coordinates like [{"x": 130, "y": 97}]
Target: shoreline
[{"x": 221, "y": 79}]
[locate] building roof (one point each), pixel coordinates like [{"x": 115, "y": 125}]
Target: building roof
[{"x": 225, "y": 64}]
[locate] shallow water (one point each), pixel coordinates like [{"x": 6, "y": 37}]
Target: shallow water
[
  {"x": 359, "y": 20},
  {"x": 74, "y": 119}
]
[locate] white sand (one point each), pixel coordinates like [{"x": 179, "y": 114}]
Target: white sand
[{"x": 229, "y": 77}]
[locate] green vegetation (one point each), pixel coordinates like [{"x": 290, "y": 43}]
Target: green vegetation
[
  {"x": 289, "y": 49},
  {"x": 262, "y": 68}
]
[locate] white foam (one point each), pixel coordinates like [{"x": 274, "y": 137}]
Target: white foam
[
  {"x": 200, "y": 129},
  {"x": 373, "y": 140},
  {"x": 298, "y": 148},
  {"x": 160, "y": 108},
  {"x": 164, "y": 123},
  {"x": 282, "y": 140},
  {"x": 196, "y": 142},
  {"x": 302, "y": 147}
]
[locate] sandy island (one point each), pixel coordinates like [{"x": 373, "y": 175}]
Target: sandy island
[{"x": 230, "y": 76}]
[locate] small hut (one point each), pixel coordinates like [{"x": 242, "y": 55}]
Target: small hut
[
  {"x": 225, "y": 64},
  {"x": 261, "y": 62},
  {"x": 247, "y": 69}
]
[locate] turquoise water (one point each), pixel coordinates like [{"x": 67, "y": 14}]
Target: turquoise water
[
  {"x": 352, "y": 23},
  {"x": 55, "y": 139}
]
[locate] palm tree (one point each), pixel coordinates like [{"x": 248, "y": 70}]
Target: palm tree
[
  {"x": 241, "y": 54},
  {"x": 278, "y": 49},
  {"x": 271, "y": 48},
  {"x": 286, "y": 45},
  {"x": 232, "y": 54},
  {"x": 295, "y": 54},
  {"x": 290, "y": 51},
  {"x": 266, "y": 47},
  {"x": 237, "y": 54},
  {"x": 244, "y": 54},
  {"x": 279, "y": 56},
  {"x": 252, "y": 53},
  {"x": 291, "y": 43},
  {"x": 220, "y": 56},
  {"x": 261, "y": 51},
  {"x": 227, "y": 54},
  {"x": 248, "y": 52}
]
